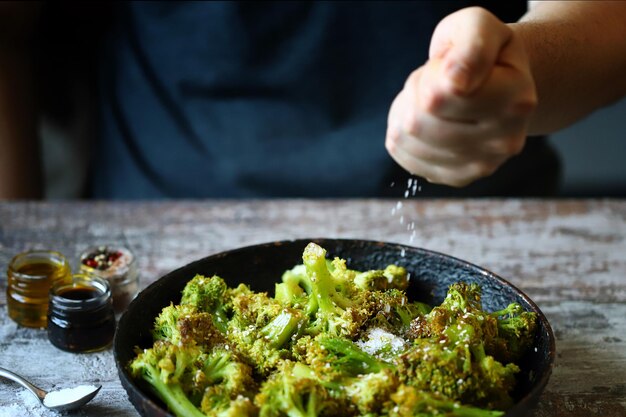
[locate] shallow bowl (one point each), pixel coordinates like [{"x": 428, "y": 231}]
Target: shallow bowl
[{"x": 261, "y": 266}]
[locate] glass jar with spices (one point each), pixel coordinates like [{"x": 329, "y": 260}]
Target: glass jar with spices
[
  {"x": 30, "y": 276},
  {"x": 117, "y": 265},
  {"x": 80, "y": 316}
]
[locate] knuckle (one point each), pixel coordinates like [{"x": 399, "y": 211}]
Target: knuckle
[
  {"x": 391, "y": 140},
  {"x": 508, "y": 146},
  {"x": 524, "y": 107},
  {"x": 481, "y": 169},
  {"x": 413, "y": 78},
  {"x": 432, "y": 100},
  {"x": 413, "y": 125}
]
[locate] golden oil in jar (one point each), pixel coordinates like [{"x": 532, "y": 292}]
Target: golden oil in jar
[{"x": 30, "y": 276}]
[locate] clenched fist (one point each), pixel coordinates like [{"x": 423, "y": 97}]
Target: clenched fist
[{"x": 466, "y": 110}]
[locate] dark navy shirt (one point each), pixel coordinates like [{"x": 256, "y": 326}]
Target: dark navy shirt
[{"x": 254, "y": 99}]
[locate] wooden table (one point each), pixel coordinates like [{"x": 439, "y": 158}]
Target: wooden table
[{"x": 569, "y": 256}]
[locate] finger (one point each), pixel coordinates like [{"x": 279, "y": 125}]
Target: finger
[
  {"x": 449, "y": 134},
  {"x": 469, "y": 42},
  {"x": 507, "y": 92},
  {"x": 421, "y": 150},
  {"x": 457, "y": 175}
]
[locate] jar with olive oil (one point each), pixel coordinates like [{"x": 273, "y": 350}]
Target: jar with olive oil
[
  {"x": 80, "y": 317},
  {"x": 30, "y": 276}
]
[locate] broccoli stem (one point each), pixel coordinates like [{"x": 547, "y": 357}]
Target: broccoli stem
[
  {"x": 280, "y": 330},
  {"x": 511, "y": 310},
  {"x": 323, "y": 286},
  {"x": 171, "y": 394},
  {"x": 452, "y": 409},
  {"x": 350, "y": 357}
]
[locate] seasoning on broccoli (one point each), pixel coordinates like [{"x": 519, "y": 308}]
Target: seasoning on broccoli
[{"x": 333, "y": 341}]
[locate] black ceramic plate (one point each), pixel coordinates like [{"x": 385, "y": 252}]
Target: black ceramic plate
[{"x": 261, "y": 266}]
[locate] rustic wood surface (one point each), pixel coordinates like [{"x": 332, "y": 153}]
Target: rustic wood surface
[{"x": 569, "y": 256}]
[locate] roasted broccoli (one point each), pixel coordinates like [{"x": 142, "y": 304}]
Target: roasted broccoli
[
  {"x": 286, "y": 393},
  {"x": 181, "y": 375},
  {"x": 209, "y": 295},
  {"x": 184, "y": 324},
  {"x": 333, "y": 341},
  {"x": 409, "y": 401}
]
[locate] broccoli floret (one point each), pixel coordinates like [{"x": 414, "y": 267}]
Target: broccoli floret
[
  {"x": 280, "y": 330},
  {"x": 459, "y": 319},
  {"x": 294, "y": 287},
  {"x": 348, "y": 358},
  {"x": 369, "y": 392},
  {"x": 216, "y": 403},
  {"x": 184, "y": 324},
  {"x": 394, "y": 312},
  {"x": 261, "y": 328},
  {"x": 222, "y": 367},
  {"x": 392, "y": 277},
  {"x": 209, "y": 295},
  {"x": 181, "y": 375},
  {"x": 333, "y": 342},
  {"x": 169, "y": 369},
  {"x": 516, "y": 333},
  {"x": 265, "y": 346},
  {"x": 335, "y": 313},
  {"x": 409, "y": 401},
  {"x": 349, "y": 373},
  {"x": 286, "y": 393},
  {"x": 449, "y": 355}
]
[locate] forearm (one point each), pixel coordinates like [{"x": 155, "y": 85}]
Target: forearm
[
  {"x": 577, "y": 52},
  {"x": 20, "y": 166}
]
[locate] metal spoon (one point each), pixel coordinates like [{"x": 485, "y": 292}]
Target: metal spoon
[{"x": 41, "y": 394}]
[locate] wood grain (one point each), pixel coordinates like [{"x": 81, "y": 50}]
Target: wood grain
[{"x": 569, "y": 256}]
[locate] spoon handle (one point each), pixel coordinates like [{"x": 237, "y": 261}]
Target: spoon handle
[{"x": 41, "y": 394}]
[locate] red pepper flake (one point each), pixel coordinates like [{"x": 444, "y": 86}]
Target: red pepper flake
[
  {"x": 91, "y": 263},
  {"x": 102, "y": 259}
]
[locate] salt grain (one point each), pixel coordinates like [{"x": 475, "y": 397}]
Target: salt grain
[{"x": 67, "y": 395}]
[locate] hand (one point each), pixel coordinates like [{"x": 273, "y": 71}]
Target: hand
[{"x": 466, "y": 111}]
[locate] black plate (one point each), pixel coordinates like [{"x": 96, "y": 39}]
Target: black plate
[{"x": 261, "y": 266}]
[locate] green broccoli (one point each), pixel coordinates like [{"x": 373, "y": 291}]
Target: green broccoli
[
  {"x": 209, "y": 295},
  {"x": 392, "y": 277},
  {"x": 352, "y": 376},
  {"x": 516, "y": 333},
  {"x": 183, "y": 324},
  {"x": 286, "y": 393},
  {"x": 409, "y": 401},
  {"x": 169, "y": 370},
  {"x": 335, "y": 313},
  {"x": 265, "y": 346},
  {"x": 449, "y": 354},
  {"x": 180, "y": 375},
  {"x": 393, "y": 311},
  {"x": 216, "y": 403},
  {"x": 333, "y": 342}
]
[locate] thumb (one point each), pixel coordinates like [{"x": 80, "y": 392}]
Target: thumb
[{"x": 469, "y": 43}]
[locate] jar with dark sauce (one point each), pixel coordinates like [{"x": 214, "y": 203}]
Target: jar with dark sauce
[{"x": 80, "y": 315}]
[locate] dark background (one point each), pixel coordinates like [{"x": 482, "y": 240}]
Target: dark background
[{"x": 69, "y": 36}]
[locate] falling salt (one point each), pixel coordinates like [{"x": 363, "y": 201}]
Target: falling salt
[
  {"x": 67, "y": 395},
  {"x": 412, "y": 188}
]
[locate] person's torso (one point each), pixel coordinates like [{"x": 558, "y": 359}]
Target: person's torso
[{"x": 238, "y": 99}]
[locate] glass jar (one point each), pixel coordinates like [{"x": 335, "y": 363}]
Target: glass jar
[
  {"x": 117, "y": 265},
  {"x": 80, "y": 316},
  {"x": 30, "y": 276}
]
